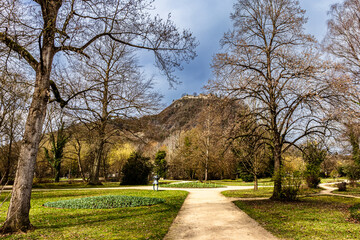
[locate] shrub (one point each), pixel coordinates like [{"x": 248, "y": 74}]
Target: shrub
[
  {"x": 105, "y": 202},
  {"x": 246, "y": 177},
  {"x": 291, "y": 183},
  {"x": 341, "y": 171},
  {"x": 355, "y": 212},
  {"x": 313, "y": 155},
  {"x": 136, "y": 170},
  {"x": 342, "y": 186},
  {"x": 161, "y": 164},
  {"x": 334, "y": 174},
  {"x": 352, "y": 172},
  {"x": 244, "y": 173}
]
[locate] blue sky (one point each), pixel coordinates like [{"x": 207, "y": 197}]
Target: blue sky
[{"x": 209, "y": 20}]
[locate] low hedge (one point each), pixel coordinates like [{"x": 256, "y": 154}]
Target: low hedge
[{"x": 105, "y": 202}]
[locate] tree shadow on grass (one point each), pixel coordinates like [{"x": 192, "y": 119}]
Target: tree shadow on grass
[{"x": 62, "y": 218}]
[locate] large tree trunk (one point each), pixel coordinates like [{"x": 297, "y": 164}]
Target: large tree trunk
[
  {"x": 18, "y": 213},
  {"x": 94, "y": 177},
  {"x": 255, "y": 183},
  {"x": 95, "y": 170},
  {"x": 277, "y": 173},
  {"x": 57, "y": 168}
]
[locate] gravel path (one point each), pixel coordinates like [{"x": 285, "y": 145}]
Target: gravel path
[{"x": 207, "y": 214}]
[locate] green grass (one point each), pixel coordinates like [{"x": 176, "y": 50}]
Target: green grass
[
  {"x": 355, "y": 212},
  {"x": 354, "y": 191},
  {"x": 239, "y": 182},
  {"x": 321, "y": 217},
  {"x": 146, "y": 222},
  {"x": 104, "y": 202},
  {"x": 69, "y": 185},
  {"x": 263, "y": 192},
  {"x": 193, "y": 185},
  {"x": 249, "y": 193},
  {"x": 331, "y": 180},
  {"x": 80, "y": 184}
]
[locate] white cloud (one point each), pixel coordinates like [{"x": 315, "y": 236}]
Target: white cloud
[{"x": 209, "y": 20}]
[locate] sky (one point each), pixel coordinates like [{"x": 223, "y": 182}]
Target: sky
[{"x": 208, "y": 20}]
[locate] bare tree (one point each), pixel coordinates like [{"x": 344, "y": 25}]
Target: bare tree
[
  {"x": 76, "y": 152},
  {"x": 203, "y": 150},
  {"x": 343, "y": 42},
  {"x": 209, "y": 135},
  {"x": 343, "y": 36},
  {"x": 117, "y": 90},
  {"x": 38, "y": 31},
  {"x": 273, "y": 66},
  {"x": 250, "y": 148},
  {"x": 13, "y": 102}
]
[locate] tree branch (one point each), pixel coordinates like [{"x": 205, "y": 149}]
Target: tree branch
[{"x": 4, "y": 38}]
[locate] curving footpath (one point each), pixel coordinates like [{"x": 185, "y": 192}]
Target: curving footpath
[{"x": 328, "y": 191}]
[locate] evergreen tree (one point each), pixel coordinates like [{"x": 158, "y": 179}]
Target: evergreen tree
[{"x": 161, "y": 165}]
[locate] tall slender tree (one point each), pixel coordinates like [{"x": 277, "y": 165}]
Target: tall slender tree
[{"x": 39, "y": 31}]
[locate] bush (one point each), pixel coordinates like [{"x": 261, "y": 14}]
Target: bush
[
  {"x": 104, "y": 202},
  {"x": 355, "y": 212},
  {"x": 161, "y": 165},
  {"x": 244, "y": 174},
  {"x": 313, "y": 155},
  {"x": 352, "y": 172},
  {"x": 342, "y": 186},
  {"x": 247, "y": 177},
  {"x": 341, "y": 171},
  {"x": 136, "y": 170},
  {"x": 291, "y": 183},
  {"x": 312, "y": 181}
]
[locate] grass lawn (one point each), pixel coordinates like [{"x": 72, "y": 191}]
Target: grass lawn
[
  {"x": 193, "y": 185},
  {"x": 355, "y": 191},
  {"x": 239, "y": 182},
  {"x": 80, "y": 184},
  {"x": 265, "y": 181},
  {"x": 147, "y": 222},
  {"x": 330, "y": 180},
  {"x": 67, "y": 185},
  {"x": 321, "y": 217},
  {"x": 262, "y": 192}
]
